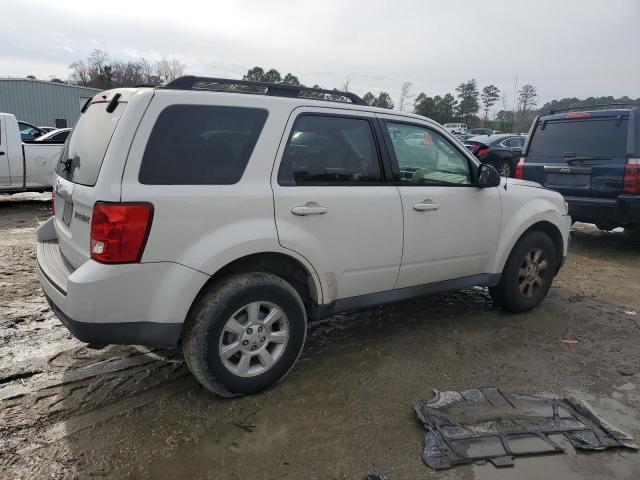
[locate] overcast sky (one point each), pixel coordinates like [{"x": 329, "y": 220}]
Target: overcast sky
[{"x": 565, "y": 48}]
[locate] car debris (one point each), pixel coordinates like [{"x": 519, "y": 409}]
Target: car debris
[{"x": 485, "y": 424}]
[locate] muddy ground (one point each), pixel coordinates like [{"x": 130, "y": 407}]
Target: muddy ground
[{"x": 67, "y": 411}]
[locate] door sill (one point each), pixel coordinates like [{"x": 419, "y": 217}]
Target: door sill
[{"x": 389, "y": 296}]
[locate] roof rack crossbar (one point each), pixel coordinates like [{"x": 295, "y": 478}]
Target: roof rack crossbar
[
  {"x": 597, "y": 105},
  {"x": 274, "y": 89}
]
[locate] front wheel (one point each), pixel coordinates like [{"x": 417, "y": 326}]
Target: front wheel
[
  {"x": 244, "y": 334},
  {"x": 527, "y": 275}
]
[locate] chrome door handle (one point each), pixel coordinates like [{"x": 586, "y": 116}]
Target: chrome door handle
[
  {"x": 426, "y": 205},
  {"x": 310, "y": 208}
]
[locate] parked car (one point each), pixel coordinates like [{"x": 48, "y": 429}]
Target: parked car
[
  {"x": 24, "y": 166},
  {"x": 56, "y": 135},
  {"x": 224, "y": 222},
  {"x": 501, "y": 151},
  {"x": 456, "y": 128},
  {"x": 593, "y": 159},
  {"x": 480, "y": 131},
  {"x": 29, "y": 132},
  {"x": 464, "y": 136}
]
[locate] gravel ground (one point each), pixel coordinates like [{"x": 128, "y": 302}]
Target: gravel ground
[{"x": 67, "y": 411}]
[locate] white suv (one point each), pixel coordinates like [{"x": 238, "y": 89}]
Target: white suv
[{"x": 224, "y": 215}]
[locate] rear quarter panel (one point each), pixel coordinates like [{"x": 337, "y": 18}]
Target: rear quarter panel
[{"x": 206, "y": 227}]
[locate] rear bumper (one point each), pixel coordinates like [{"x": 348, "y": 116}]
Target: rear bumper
[
  {"x": 623, "y": 210},
  {"x": 158, "y": 335},
  {"x": 138, "y": 304}
]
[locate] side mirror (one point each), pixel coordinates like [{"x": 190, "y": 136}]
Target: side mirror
[{"x": 488, "y": 176}]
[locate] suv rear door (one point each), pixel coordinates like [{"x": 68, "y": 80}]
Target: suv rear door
[
  {"x": 579, "y": 154},
  {"x": 335, "y": 203},
  {"x": 76, "y": 187}
]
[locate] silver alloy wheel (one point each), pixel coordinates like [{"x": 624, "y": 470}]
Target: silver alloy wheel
[
  {"x": 505, "y": 169},
  {"x": 531, "y": 272},
  {"x": 253, "y": 339}
]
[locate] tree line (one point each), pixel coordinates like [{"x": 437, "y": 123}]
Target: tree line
[
  {"x": 466, "y": 104},
  {"x": 99, "y": 71}
]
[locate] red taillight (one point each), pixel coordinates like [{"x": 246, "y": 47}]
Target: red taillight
[
  {"x": 519, "y": 173},
  {"x": 53, "y": 204},
  {"x": 482, "y": 152},
  {"x": 119, "y": 231},
  {"x": 632, "y": 176}
]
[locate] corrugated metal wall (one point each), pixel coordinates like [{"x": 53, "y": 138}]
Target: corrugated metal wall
[{"x": 41, "y": 103}]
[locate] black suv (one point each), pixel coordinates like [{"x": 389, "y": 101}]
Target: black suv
[{"x": 593, "y": 159}]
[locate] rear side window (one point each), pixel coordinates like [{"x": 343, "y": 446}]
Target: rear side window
[
  {"x": 84, "y": 151},
  {"x": 598, "y": 138},
  {"x": 201, "y": 145},
  {"x": 330, "y": 150}
]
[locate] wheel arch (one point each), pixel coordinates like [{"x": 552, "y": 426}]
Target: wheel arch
[
  {"x": 547, "y": 227},
  {"x": 302, "y": 277}
]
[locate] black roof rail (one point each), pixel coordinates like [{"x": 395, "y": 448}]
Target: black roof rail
[
  {"x": 189, "y": 82},
  {"x": 602, "y": 106}
]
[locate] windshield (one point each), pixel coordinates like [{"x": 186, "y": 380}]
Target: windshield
[{"x": 84, "y": 151}]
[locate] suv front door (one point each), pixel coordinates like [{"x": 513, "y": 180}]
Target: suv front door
[
  {"x": 451, "y": 226},
  {"x": 334, "y": 202}
]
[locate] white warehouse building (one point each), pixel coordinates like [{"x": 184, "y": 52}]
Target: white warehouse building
[{"x": 43, "y": 103}]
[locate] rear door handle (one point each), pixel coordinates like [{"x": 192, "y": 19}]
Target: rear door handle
[
  {"x": 1, "y": 153},
  {"x": 426, "y": 205},
  {"x": 310, "y": 208}
]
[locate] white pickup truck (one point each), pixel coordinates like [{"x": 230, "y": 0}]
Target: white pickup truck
[{"x": 25, "y": 166}]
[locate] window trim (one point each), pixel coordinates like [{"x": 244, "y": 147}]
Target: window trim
[
  {"x": 473, "y": 166},
  {"x": 383, "y": 158}
]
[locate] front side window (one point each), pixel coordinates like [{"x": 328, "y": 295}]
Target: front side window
[
  {"x": 330, "y": 150},
  {"x": 200, "y": 145},
  {"x": 426, "y": 157}
]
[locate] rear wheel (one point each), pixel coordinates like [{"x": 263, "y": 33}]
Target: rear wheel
[
  {"x": 527, "y": 275},
  {"x": 245, "y": 334}
]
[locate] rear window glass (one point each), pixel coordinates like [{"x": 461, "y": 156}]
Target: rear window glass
[
  {"x": 201, "y": 145},
  {"x": 581, "y": 138},
  {"x": 82, "y": 156}
]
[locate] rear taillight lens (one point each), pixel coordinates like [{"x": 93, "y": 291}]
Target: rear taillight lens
[
  {"x": 53, "y": 204},
  {"x": 519, "y": 173},
  {"x": 632, "y": 176},
  {"x": 482, "y": 152},
  {"x": 119, "y": 231}
]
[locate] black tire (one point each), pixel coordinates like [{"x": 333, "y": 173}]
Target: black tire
[
  {"x": 206, "y": 322},
  {"x": 505, "y": 169},
  {"x": 507, "y": 294}
]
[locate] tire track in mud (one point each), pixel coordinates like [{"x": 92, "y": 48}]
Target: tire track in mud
[{"x": 39, "y": 411}]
